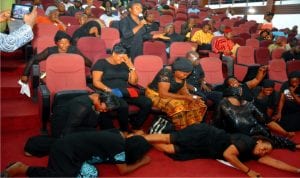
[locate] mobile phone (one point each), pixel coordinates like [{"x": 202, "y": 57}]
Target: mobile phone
[{"x": 19, "y": 10}]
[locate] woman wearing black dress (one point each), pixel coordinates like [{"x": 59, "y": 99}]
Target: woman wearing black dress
[
  {"x": 205, "y": 141},
  {"x": 68, "y": 154}
]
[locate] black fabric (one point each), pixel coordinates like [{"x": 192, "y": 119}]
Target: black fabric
[
  {"x": 114, "y": 76},
  {"x": 290, "y": 111},
  {"x": 68, "y": 154},
  {"x": 243, "y": 119},
  {"x": 245, "y": 145},
  {"x": 161, "y": 124},
  {"x": 84, "y": 30},
  {"x": 166, "y": 75},
  {"x": 73, "y": 116},
  {"x": 136, "y": 147},
  {"x": 60, "y": 35},
  {"x": 39, "y": 145},
  {"x": 133, "y": 42},
  {"x": 183, "y": 65}
]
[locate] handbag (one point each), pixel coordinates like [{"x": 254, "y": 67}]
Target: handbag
[{"x": 162, "y": 124}]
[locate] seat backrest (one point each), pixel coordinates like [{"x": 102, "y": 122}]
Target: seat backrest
[
  {"x": 277, "y": 70},
  {"x": 179, "y": 49},
  {"x": 93, "y": 48},
  {"x": 292, "y": 66},
  {"x": 97, "y": 12},
  {"x": 239, "y": 40},
  {"x": 212, "y": 68},
  {"x": 69, "y": 20},
  {"x": 277, "y": 53},
  {"x": 71, "y": 29},
  {"x": 252, "y": 42},
  {"x": 48, "y": 30},
  {"x": 147, "y": 66},
  {"x": 181, "y": 16},
  {"x": 111, "y": 36},
  {"x": 245, "y": 36},
  {"x": 157, "y": 48},
  {"x": 177, "y": 25},
  {"x": 65, "y": 72},
  {"x": 262, "y": 55},
  {"x": 245, "y": 55},
  {"x": 265, "y": 43},
  {"x": 165, "y": 19}
]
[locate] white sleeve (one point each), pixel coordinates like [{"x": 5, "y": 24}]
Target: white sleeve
[{"x": 11, "y": 42}]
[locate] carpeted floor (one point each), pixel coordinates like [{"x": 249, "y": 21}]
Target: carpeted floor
[{"x": 19, "y": 120}]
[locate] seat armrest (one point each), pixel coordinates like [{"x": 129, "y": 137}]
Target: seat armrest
[
  {"x": 44, "y": 105},
  {"x": 35, "y": 70}
]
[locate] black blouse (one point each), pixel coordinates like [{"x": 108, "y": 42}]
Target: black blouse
[
  {"x": 265, "y": 103},
  {"x": 114, "y": 76},
  {"x": 53, "y": 50},
  {"x": 166, "y": 75}
]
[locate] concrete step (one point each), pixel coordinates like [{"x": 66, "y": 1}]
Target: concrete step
[{"x": 18, "y": 114}]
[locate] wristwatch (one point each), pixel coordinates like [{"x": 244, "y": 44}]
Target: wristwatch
[{"x": 195, "y": 97}]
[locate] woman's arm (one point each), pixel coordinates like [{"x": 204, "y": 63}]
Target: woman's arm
[
  {"x": 125, "y": 168},
  {"x": 35, "y": 59},
  {"x": 231, "y": 155},
  {"x": 97, "y": 81},
  {"x": 262, "y": 71},
  {"x": 132, "y": 75},
  {"x": 275, "y": 127},
  {"x": 267, "y": 160},
  {"x": 277, "y": 116}
]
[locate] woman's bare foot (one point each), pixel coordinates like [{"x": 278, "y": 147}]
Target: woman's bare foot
[
  {"x": 15, "y": 169},
  {"x": 27, "y": 154}
]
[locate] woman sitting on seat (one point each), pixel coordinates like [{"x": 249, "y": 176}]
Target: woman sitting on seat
[
  {"x": 63, "y": 45},
  {"x": 87, "y": 28},
  {"x": 236, "y": 115},
  {"x": 168, "y": 92},
  {"x": 116, "y": 74}
]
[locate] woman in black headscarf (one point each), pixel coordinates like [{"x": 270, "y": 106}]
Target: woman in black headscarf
[
  {"x": 90, "y": 28},
  {"x": 236, "y": 115},
  {"x": 62, "y": 41},
  {"x": 168, "y": 92}
]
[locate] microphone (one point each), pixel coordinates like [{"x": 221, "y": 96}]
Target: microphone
[{"x": 141, "y": 16}]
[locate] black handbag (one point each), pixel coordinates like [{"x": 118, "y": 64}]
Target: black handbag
[{"x": 161, "y": 124}]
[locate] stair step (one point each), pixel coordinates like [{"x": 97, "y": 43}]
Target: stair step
[
  {"x": 9, "y": 86},
  {"x": 22, "y": 114}
]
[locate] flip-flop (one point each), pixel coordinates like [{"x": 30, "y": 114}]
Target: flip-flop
[{"x": 4, "y": 173}]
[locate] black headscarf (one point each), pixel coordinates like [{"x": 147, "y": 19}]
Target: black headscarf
[
  {"x": 135, "y": 148},
  {"x": 294, "y": 74},
  {"x": 182, "y": 64},
  {"x": 268, "y": 83},
  {"x": 84, "y": 30},
  {"x": 60, "y": 35}
]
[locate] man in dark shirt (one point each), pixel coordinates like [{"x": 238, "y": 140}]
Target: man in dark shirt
[{"x": 68, "y": 154}]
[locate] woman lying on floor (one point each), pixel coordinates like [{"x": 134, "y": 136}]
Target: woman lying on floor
[{"x": 205, "y": 141}]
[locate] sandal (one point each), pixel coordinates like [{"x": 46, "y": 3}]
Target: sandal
[{"x": 5, "y": 173}]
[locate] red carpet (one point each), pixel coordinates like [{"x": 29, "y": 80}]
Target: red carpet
[{"x": 19, "y": 120}]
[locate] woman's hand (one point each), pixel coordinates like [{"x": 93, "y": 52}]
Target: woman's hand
[
  {"x": 24, "y": 79},
  {"x": 4, "y": 15},
  {"x": 127, "y": 61},
  {"x": 253, "y": 174},
  {"x": 276, "y": 117},
  {"x": 161, "y": 36}
]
